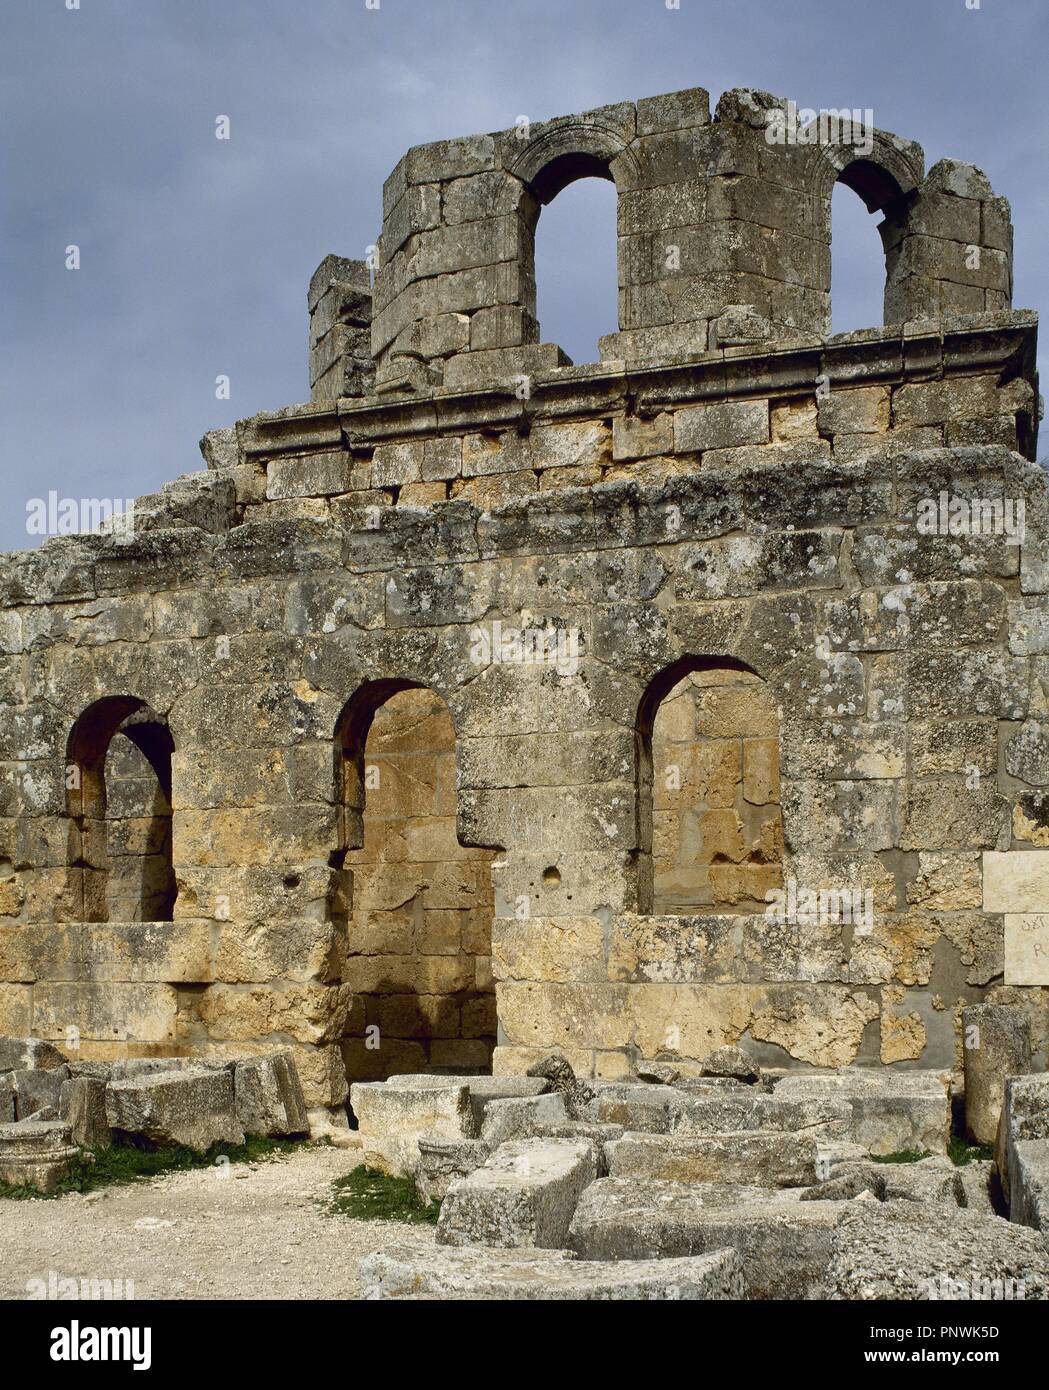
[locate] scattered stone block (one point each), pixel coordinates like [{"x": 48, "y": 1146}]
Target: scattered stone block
[
  {"x": 482, "y": 1088},
  {"x": 714, "y": 1085},
  {"x": 130, "y": 1067},
  {"x": 391, "y": 1120},
  {"x": 442, "y": 1161},
  {"x": 473, "y": 1274},
  {"x": 525, "y": 1194},
  {"x": 997, "y": 1046},
  {"x": 521, "y": 1117},
  {"x": 37, "y": 1090},
  {"x": 597, "y": 1134},
  {"x": 784, "y": 1245},
  {"x": 425, "y": 1080},
  {"x": 976, "y": 1184},
  {"x": 594, "y": 1133},
  {"x": 645, "y": 1109},
  {"x": 1025, "y": 1115},
  {"x": 331, "y": 1123},
  {"x": 194, "y": 1108},
  {"x": 28, "y": 1054},
  {"x": 751, "y": 1157},
  {"x": 892, "y": 1112},
  {"x": 98, "y": 1071},
  {"x": 269, "y": 1097},
  {"x": 1029, "y": 1203},
  {"x": 558, "y": 1071},
  {"x": 934, "y": 1181},
  {"x": 485, "y": 1089},
  {"x": 36, "y": 1153},
  {"x": 833, "y": 1154},
  {"x": 84, "y": 1107},
  {"x": 657, "y": 1073},
  {"x": 753, "y": 1109},
  {"x": 902, "y": 1250},
  {"x": 731, "y": 1062}
]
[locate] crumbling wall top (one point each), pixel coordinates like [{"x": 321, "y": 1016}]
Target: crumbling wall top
[{"x": 723, "y": 228}]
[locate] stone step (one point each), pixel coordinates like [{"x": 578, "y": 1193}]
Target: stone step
[
  {"x": 525, "y": 1195},
  {"x": 783, "y": 1242},
  {"x": 474, "y": 1274},
  {"x": 751, "y": 1157}
]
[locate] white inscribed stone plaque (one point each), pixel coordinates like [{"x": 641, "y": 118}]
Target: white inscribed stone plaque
[{"x": 1027, "y": 948}]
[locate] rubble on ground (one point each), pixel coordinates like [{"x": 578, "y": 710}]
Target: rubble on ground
[{"x": 52, "y": 1108}]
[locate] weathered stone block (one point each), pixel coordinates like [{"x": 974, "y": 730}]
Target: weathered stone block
[
  {"x": 442, "y": 1161},
  {"x": 473, "y": 1274},
  {"x": 36, "y": 1090},
  {"x": 84, "y": 1107},
  {"x": 1029, "y": 1188},
  {"x": 521, "y": 1117},
  {"x": 392, "y": 1118},
  {"x": 639, "y": 1108},
  {"x": 194, "y": 1108},
  {"x": 891, "y": 1111},
  {"x": 784, "y": 1244},
  {"x": 997, "y": 1045},
  {"x": 1027, "y": 948},
  {"x": 723, "y": 425},
  {"x": 931, "y": 1181},
  {"x": 524, "y": 1195},
  {"x": 753, "y": 1110},
  {"x": 755, "y": 1157},
  {"x": 901, "y": 1250},
  {"x": 24, "y": 1054},
  {"x": 268, "y": 1096},
  {"x": 1016, "y": 881},
  {"x": 1025, "y": 1115}
]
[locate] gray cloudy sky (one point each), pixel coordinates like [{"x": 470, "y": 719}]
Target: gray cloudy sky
[{"x": 196, "y": 253}]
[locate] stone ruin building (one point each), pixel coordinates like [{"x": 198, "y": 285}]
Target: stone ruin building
[{"x": 487, "y": 706}]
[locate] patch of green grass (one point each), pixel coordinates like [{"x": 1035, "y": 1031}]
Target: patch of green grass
[
  {"x": 903, "y": 1156},
  {"x": 127, "y": 1163},
  {"x": 370, "y": 1195},
  {"x": 961, "y": 1152}
]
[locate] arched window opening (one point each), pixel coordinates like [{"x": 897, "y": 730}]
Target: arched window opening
[
  {"x": 119, "y": 799},
  {"x": 709, "y": 786},
  {"x": 576, "y": 273},
  {"x": 418, "y": 905},
  {"x": 867, "y": 214}
]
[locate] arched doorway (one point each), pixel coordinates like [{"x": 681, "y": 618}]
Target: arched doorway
[
  {"x": 418, "y": 904},
  {"x": 709, "y": 788},
  {"x": 118, "y": 787}
]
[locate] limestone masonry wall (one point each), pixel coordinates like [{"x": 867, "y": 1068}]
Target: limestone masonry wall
[{"x": 482, "y": 572}]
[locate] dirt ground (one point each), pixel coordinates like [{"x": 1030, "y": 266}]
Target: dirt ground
[{"x": 242, "y": 1231}]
